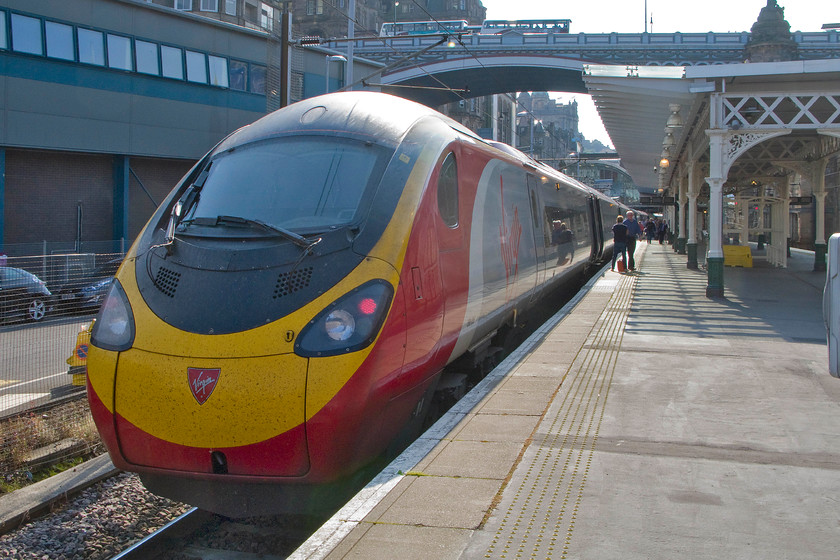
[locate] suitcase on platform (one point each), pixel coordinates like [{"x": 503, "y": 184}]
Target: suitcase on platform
[{"x": 619, "y": 265}]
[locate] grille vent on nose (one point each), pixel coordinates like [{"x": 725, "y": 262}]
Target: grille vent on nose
[
  {"x": 167, "y": 281},
  {"x": 291, "y": 282}
]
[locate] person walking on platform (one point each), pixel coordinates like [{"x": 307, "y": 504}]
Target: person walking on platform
[
  {"x": 619, "y": 240},
  {"x": 633, "y": 233},
  {"x": 650, "y": 230},
  {"x": 662, "y": 231}
]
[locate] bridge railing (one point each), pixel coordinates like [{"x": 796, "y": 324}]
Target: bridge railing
[{"x": 710, "y": 39}]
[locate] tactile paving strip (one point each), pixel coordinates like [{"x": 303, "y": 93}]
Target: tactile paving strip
[{"x": 537, "y": 514}]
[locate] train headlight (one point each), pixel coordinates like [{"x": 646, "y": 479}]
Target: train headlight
[
  {"x": 340, "y": 325},
  {"x": 114, "y": 327},
  {"x": 348, "y": 324}
]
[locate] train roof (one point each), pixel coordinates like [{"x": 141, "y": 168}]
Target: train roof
[{"x": 384, "y": 118}]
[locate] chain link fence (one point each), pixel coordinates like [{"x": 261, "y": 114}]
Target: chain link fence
[{"x": 49, "y": 295}]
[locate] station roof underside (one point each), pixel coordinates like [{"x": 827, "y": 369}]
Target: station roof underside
[{"x": 633, "y": 102}]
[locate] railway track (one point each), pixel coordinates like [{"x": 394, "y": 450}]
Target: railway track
[{"x": 201, "y": 535}]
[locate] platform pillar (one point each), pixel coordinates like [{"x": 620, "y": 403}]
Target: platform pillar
[
  {"x": 691, "y": 234},
  {"x": 714, "y": 258},
  {"x": 682, "y": 215},
  {"x": 717, "y": 176},
  {"x": 820, "y": 245}
]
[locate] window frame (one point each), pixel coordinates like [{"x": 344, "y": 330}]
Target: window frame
[
  {"x": 239, "y": 64},
  {"x": 58, "y": 25},
  {"x": 164, "y": 60},
  {"x": 126, "y": 59},
  {"x": 95, "y": 60},
  {"x": 137, "y": 51},
  {"x": 196, "y": 66},
  {"x": 448, "y": 203},
  {"x": 4, "y": 31},
  {"x": 214, "y": 72},
  {"x": 27, "y": 42}
]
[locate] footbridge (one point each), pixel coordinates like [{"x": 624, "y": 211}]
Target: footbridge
[{"x": 478, "y": 64}]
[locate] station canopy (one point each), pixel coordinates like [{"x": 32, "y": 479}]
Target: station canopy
[{"x": 633, "y": 102}]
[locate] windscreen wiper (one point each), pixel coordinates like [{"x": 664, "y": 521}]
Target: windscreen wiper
[
  {"x": 297, "y": 239},
  {"x": 185, "y": 203}
]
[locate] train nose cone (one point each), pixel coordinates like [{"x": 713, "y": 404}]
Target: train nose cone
[{"x": 228, "y": 416}]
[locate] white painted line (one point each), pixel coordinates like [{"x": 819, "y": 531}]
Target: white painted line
[
  {"x": 39, "y": 380},
  {"x": 19, "y": 399}
]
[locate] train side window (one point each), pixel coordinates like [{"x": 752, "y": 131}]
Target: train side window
[{"x": 448, "y": 191}]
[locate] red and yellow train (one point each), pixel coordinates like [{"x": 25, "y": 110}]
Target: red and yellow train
[{"x": 290, "y": 307}]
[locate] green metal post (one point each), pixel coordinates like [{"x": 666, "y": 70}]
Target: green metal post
[
  {"x": 714, "y": 288},
  {"x": 819, "y": 257},
  {"x": 691, "y": 249}
]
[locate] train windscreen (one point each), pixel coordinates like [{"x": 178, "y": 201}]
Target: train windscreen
[{"x": 297, "y": 184}]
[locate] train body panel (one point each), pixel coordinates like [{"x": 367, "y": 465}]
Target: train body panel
[{"x": 289, "y": 343}]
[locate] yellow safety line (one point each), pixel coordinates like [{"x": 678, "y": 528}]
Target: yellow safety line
[{"x": 572, "y": 433}]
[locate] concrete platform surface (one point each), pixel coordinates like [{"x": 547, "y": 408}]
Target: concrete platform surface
[{"x": 644, "y": 421}]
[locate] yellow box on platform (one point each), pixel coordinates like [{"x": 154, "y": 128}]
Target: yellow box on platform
[{"x": 737, "y": 255}]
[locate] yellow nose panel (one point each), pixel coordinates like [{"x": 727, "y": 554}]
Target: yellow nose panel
[{"x": 211, "y": 402}]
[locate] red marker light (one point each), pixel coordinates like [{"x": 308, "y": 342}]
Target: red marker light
[{"x": 367, "y": 306}]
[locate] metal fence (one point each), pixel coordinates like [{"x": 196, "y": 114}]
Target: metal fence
[{"x": 47, "y": 299}]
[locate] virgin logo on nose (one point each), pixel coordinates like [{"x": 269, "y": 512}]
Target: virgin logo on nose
[{"x": 202, "y": 382}]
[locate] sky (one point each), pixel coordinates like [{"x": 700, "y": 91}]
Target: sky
[{"x": 629, "y": 16}]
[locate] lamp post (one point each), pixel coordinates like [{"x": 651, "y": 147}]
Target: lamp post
[
  {"x": 395, "y": 16},
  {"x": 330, "y": 58}
]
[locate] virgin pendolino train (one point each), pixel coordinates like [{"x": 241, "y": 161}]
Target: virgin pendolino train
[{"x": 290, "y": 307}]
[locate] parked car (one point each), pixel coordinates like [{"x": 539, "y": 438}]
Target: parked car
[
  {"x": 86, "y": 292},
  {"x": 23, "y": 295}
]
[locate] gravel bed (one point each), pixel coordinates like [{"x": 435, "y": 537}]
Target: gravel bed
[{"x": 97, "y": 524}]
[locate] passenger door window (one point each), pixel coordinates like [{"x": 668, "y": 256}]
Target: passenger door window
[{"x": 447, "y": 191}]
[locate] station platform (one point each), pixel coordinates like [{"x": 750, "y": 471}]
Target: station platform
[{"x": 644, "y": 420}]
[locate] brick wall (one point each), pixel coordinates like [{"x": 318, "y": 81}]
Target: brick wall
[{"x": 43, "y": 190}]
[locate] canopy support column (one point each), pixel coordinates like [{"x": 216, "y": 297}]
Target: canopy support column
[
  {"x": 717, "y": 176},
  {"x": 691, "y": 241}
]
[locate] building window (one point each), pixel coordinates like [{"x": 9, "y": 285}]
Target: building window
[
  {"x": 119, "y": 52},
  {"x": 230, "y": 7},
  {"x": 91, "y": 47},
  {"x": 218, "y": 71},
  {"x": 185, "y": 5},
  {"x": 257, "y": 79},
  {"x": 196, "y": 67},
  {"x": 26, "y": 35},
  {"x": 59, "y": 40},
  {"x": 310, "y": 7},
  {"x": 209, "y": 6},
  {"x": 147, "y": 57},
  {"x": 267, "y": 17},
  {"x": 4, "y": 41},
  {"x": 319, "y": 7},
  {"x": 172, "y": 62},
  {"x": 238, "y": 75}
]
